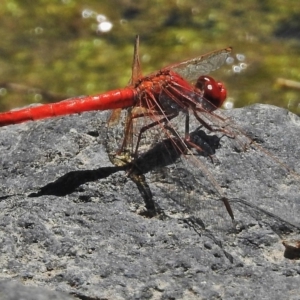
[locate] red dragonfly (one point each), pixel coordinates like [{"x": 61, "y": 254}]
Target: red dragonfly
[{"x": 162, "y": 95}]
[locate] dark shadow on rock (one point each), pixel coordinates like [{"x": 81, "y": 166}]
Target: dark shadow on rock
[
  {"x": 69, "y": 182},
  {"x": 162, "y": 154},
  {"x": 169, "y": 150}
]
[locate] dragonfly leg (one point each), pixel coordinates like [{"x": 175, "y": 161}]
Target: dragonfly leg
[
  {"x": 211, "y": 128},
  {"x": 187, "y": 140},
  {"x": 128, "y": 126},
  {"x": 187, "y": 137},
  {"x": 165, "y": 119},
  {"x": 204, "y": 169}
]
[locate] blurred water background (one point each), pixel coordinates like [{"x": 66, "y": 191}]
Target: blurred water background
[{"x": 51, "y": 50}]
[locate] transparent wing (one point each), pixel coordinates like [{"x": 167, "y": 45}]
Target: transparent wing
[{"x": 202, "y": 65}]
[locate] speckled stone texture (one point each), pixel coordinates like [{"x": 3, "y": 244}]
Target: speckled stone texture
[{"x": 70, "y": 222}]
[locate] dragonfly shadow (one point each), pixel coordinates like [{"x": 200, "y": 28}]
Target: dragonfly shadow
[
  {"x": 169, "y": 150},
  {"x": 68, "y": 183},
  {"x": 162, "y": 154}
]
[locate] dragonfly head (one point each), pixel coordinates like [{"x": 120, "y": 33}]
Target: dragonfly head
[{"x": 213, "y": 91}]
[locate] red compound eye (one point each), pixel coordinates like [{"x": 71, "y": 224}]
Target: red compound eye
[{"x": 213, "y": 91}]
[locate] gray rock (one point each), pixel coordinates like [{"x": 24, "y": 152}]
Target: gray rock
[
  {"x": 14, "y": 290},
  {"x": 69, "y": 218}
]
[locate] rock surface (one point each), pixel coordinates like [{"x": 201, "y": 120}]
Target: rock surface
[
  {"x": 14, "y": 290},
  {"x": 69, "y": 219}
]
